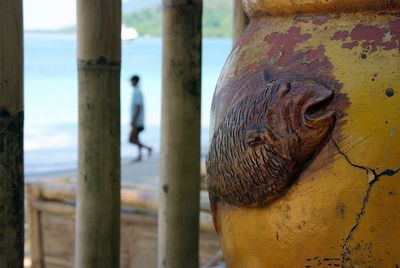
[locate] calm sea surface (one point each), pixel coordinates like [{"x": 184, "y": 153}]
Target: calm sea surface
[{"x": 51, "y": 96}]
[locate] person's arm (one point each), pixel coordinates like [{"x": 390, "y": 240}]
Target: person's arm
[{"x": 138, "y": 109}]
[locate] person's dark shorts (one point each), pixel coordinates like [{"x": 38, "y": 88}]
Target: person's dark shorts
[{"x": 133, "y": 135}]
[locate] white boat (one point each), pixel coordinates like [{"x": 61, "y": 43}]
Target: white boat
[{"x": 128, "y": 33}]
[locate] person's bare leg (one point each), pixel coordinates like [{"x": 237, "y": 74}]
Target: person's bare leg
[
  {"x": 139, "y": 158},
  {"x": 134, "y": 139},
  {"x": 148, "y": 148}
]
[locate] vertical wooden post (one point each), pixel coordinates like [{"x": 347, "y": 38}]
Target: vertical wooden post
[
  {"x": 98, "y": 212},
  {"x": 180, "y": 142},
  {"x": 35, "y": 238},
  {"x": 240, "y": 20},
  {"x": 11, "y": 135}
]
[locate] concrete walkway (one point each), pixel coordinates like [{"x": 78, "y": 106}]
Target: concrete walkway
[{"x": 141, "y": 175}]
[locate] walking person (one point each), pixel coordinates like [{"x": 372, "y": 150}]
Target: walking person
[{"x": 137, "y": 120}]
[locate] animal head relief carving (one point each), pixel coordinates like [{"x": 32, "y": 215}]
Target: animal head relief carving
[{"x": 266, "y": 140}]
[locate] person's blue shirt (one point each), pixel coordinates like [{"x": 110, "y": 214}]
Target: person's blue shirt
[{"x": 138, "y": 100}]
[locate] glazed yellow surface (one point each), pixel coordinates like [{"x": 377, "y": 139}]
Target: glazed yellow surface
[{"x": 338, "y": 212}]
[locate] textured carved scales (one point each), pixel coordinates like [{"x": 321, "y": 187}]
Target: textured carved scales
[{"x": 266, "y": 139}]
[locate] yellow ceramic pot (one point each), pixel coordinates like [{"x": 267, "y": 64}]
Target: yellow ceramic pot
[{"x": 340, "y": 204}]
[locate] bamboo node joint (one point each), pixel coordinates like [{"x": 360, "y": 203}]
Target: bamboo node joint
[{"x": 99, "y": 63}]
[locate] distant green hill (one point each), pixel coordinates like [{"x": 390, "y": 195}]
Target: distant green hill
[{"x": 217, "y": 19}]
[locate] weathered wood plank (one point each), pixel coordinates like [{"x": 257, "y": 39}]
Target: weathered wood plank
[
  {"x": 138, "y": 233},
  {"x": 130, "y": 197}
]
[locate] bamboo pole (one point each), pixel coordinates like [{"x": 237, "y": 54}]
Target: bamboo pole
[
  {"x": 98, "y": 212},
  {"x": 178, "y": 243},
  {"x": 11, "y": 135},
  {"x": 240, "y": 20}
]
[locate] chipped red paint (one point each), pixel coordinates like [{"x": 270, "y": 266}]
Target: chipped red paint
[
  {"x": 371, "y": 36},
  {"x": 317, "y": 54},
  {"x": 367, "y": 32},
  {"x": 283, "y": 44},
  {"x": 340, "y": 35},
  {"x": 391, "y": 45},
  {"x": 395, "y": 27},
  {"x": 249, "y": 33},
  {"x": 350, "y": 45},
  {"x": 395, "y": 32},
  {"x": 320, "y": 20}
]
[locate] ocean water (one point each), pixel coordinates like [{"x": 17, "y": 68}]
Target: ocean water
[{"x": 51, "y": 96}]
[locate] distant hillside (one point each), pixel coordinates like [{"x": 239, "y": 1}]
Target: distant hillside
[
  {"x": 133, "y": 5},
  {"x": 217, "y": 19}
]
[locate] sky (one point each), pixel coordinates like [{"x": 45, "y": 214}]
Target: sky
[{"x": 49, "y": 14}]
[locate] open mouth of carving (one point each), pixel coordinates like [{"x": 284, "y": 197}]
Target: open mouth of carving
[{"x": 318, "y": 109}]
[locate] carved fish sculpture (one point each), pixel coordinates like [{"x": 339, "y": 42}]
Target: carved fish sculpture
[{"x": 266, "y": 140}]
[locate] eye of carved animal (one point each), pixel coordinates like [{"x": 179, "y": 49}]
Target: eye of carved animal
[{"x": 266, "y": 139}]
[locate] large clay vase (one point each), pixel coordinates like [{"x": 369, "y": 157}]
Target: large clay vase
[{"x": 303, "y": 168}]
